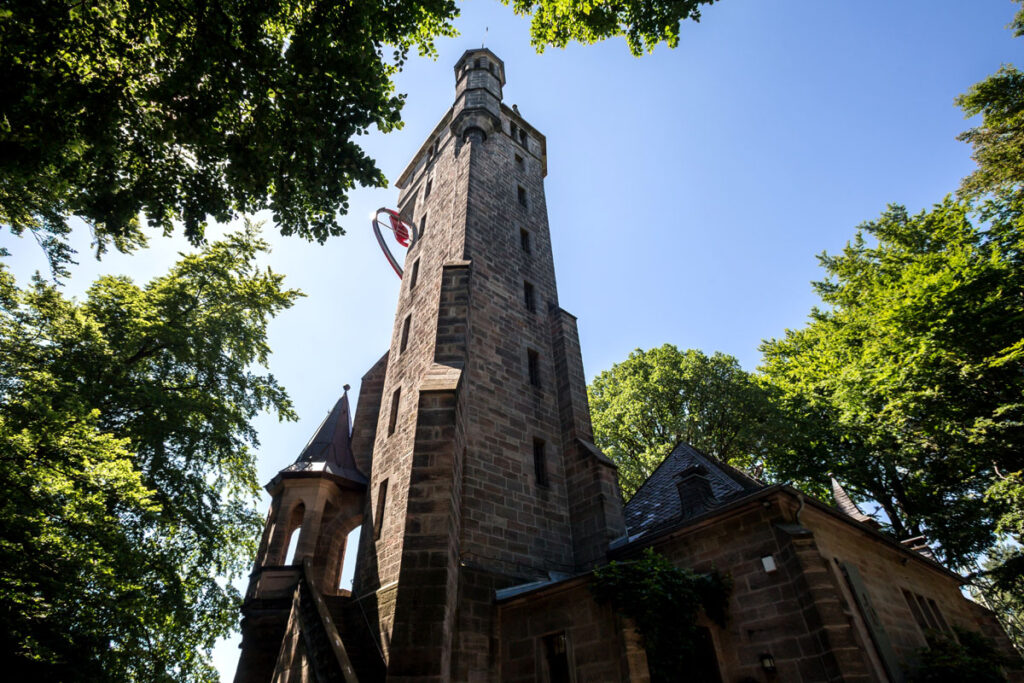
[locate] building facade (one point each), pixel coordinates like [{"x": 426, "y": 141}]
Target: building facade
[{"x": 484, "y": 505}]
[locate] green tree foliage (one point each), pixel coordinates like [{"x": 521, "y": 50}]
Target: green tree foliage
[
  {"x": 999, "y": 140},
  {"x": 644, "y": 24},
  {"x": 999, "y": 585},
  {"x": 642, "y": 407},
  {"x": 664, "y": 602},
  {"x": 179, "y": 110},
  {"x": 129, "y": 484},
  {"x": 914, "y": 371},
  {"x": 182, "y": 110}
]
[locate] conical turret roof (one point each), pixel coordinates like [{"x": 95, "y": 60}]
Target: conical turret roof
[{"x": 329, "y": 452}]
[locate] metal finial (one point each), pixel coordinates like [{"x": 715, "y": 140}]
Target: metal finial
[
  {"x": 346, "y": 387},
  {"x": 485, "y": 36}
]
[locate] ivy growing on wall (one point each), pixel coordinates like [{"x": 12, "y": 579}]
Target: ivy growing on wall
[
  {"x": 969, "y": 657},
  {"x": 664, "y": 602}
]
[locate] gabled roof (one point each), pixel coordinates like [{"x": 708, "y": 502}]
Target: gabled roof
[
  {"x": 657, "y": 502},
  {"x": 329, "y": 452}
]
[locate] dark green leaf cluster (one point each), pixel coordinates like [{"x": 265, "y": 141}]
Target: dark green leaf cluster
[
  {"x": 664, "y": 602},
  {"x": 642, "y": 407},
  {"x": 643, "y": 23},
  {"x": 999, "y": 585},
  {"x": 969, "y": 657},
  {"x": 185, "y": 110},
  {"x": 129, "y": 483},
  {"x": 999, "y": 141}
]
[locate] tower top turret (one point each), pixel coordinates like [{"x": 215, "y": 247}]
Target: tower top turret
[{"x": 479, "y": 59}]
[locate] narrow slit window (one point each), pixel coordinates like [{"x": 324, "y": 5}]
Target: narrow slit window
[
  {"x": 415, "y": 274},
  {"x": 522, "y": 195},
  {"x": 513, "y": 130},
  {"x": 520, "y": 164},
  {"x": 479, "y": 62},
  {"x": 423, "y": 225},
  {"x": 533, "y": 367},
  {"x": 393, "y": 419},
  {"x": 529, "y": 299},
  {"x": 430, "y": 186},
  {"x": 540, "y": 465},
  {"x": 522, "y": 137},
  {"x": 378, "y": 518},
  {"x": 524, "y": 240},
  {"x": 406, "y": 324}
]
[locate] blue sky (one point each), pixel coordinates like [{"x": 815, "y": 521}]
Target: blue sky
[{"x": 688, "y": 191}]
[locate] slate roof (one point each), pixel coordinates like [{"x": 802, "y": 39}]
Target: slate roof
[
  {"x": 329, "y": 452},
  {"x": 656, "y": 504}
]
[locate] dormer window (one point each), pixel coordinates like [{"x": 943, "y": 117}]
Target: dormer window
[{"x": 695, "y": 494}]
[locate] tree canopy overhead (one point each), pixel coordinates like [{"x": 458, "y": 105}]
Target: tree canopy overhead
[
  {"x": 914, "y": 371},
  {"x": 642, "y": 407},
  {"x": 129, "y": 483},
  {"x": 190, "y": 110},
  {"x": 118, "y": 111}
]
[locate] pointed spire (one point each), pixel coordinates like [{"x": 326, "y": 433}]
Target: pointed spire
[
  {"x": 329, "y": 452},
  {"x": 332, "y": 442},
  {"x": 846, "y": 505}
]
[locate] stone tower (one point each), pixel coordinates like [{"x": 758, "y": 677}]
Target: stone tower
[{"x": 473, "y": 431}]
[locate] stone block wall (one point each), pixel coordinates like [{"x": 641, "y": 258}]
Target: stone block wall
[{"x": 599, "y": 646}]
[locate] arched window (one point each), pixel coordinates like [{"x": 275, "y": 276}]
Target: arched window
[
  {"x": 348, "y": 559},
  {"x": 293, "y": 544},
  {"x": 295, "y": 526}
]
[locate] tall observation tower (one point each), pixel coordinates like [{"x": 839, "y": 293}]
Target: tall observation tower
[{"x": 469, "y": 465}]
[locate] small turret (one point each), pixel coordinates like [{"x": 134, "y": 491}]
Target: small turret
[
  {"x": 479, "y": 78},
  {"x": 317, "y": 501}
]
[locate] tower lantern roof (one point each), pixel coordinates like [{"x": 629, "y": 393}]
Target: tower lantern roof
[{"x": 329, "y": 452}]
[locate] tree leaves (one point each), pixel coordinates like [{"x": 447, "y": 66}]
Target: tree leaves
[
  {"x": 642, "y": 407},
  {"x": 915, "y": 369},
  {"x": 644, "y": 24},
  {"x": 126, "y": 437},
  {"x": 183, "y": 111}
]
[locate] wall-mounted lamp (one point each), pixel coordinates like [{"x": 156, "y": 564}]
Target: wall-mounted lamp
[
  {"x": 767, "y": 662},
  {"x": 768, "y": 562}
]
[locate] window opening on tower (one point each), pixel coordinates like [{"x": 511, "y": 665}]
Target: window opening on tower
[
  {"x": 415, "y": 273},
  {"x": 522, "y": 196},
  {"x": 378, "y": 518},
  {"x": 533, "y": 367},
  {"x": 529, "y": 300},
  {"x": 393, "y": 419},
  {"x": 405, "y": 333},
  {"x": 524, "y": 240},
  {"x": 540, "y": 467}
]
